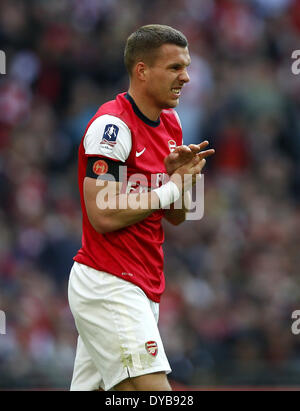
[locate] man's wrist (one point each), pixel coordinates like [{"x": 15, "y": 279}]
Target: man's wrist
[{"x": 168, "y": 193}]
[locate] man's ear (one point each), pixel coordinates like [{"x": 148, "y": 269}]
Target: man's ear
[{"x": 141, "y": 70}]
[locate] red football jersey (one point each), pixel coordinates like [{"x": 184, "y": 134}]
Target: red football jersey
[{"x": 133, "y": 253}]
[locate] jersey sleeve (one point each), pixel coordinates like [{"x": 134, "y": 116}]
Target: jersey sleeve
[{"x": 108, "y": 136}]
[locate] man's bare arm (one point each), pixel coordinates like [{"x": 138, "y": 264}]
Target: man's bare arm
[
  {"x": 109, "y": 210},
  {"x": 176, "y": 215}
]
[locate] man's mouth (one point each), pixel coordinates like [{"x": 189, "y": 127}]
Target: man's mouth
[{"x": 176, "y": 91}]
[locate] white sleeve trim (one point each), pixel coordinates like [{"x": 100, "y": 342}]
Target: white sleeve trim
[
  {"x": 179, "y": 122},
  {"x": 178, "y": 119},
  {"x": 94, "y": 144}
]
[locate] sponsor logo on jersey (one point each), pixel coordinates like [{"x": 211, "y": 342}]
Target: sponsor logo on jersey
[
  {"x": 139, "y": 153},
  {"x": 172, "y": 145},
  {"x": 110, "y": 135},
  {"x": 100, "y": 167},
  {"x": 152, "y": 348}
]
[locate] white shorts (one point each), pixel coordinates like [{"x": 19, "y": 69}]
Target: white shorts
[{"x": 117, "y": 326}]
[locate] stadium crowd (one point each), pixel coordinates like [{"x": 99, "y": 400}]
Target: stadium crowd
[{"x": 232, "y": 277}]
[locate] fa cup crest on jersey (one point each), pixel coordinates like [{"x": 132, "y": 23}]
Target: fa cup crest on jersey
[{"x": 110, "y": 134}]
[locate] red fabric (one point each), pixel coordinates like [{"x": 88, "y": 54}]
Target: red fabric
[
  {"x": 135, "y": 250},
  {"x": 295, "y": 15}
]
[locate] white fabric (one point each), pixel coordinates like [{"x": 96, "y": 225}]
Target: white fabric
[
  {"x": 115, "y": 320},
  {"x": 178, "y": 119},
  {"x": 168, "y": 193},
  {"x": 92, "y": 140}
]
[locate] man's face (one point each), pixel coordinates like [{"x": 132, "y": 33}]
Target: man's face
[{"x": 167, "y": 75}]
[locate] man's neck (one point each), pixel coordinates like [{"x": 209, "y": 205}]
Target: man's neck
[{"x": 144, "y": 105}]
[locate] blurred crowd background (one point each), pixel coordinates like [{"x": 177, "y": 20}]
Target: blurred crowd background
[{"x": 233, "y": 277}]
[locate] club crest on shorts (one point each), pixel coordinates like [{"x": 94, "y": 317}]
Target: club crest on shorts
[
  {"x": 152, "y": 348},
  {"x": 110, "y": 134}
]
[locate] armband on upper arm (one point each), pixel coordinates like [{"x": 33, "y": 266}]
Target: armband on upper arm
[{"x": 105, "y": 168}]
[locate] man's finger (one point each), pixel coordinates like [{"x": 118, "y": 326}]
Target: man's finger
[
  {"x": 198, "y": 147},
  {"x": 173, "y": 156},
  {"x": 206, "y": 153},
  {"x": 200, "y": 166},
  {"x": 196, "y": 168},
  {"x": 182, "y": 149}
]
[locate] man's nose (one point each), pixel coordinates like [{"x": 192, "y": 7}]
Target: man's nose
[{"x": 184, "y": 77}]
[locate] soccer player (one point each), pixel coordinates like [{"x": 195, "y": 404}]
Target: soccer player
[{"x": 131, "y": 172}]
